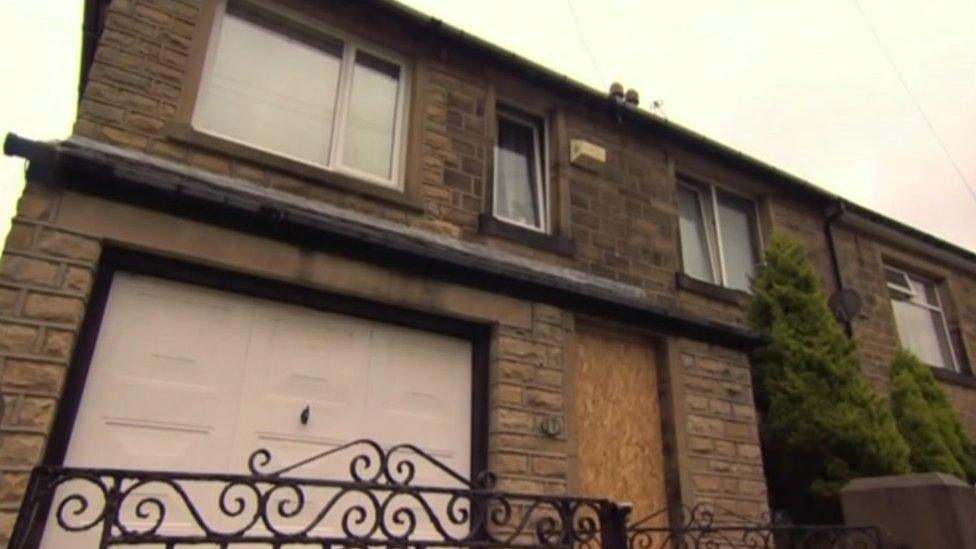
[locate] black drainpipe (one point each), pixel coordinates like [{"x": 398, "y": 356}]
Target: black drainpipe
[
  {"x": 91, "y": 31},
  {"x": 833, "y": 212}
]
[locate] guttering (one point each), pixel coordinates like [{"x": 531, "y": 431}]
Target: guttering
[
  {"x": 907, "y": 238},
  {"x": 680, "y": 134},
  {"x": 134, "y": 178}
]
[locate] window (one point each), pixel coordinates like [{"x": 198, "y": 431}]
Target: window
[
  {"x": 719, "y": 235},
  {"x": 275, "y": 84},
  {"x": 919, "y": 318},
  {"x": 519, "y": 190}
]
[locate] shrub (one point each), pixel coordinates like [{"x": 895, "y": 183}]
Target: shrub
[
  {"x": 821, "y": 423},
  {"x": 927, "y": 422}
]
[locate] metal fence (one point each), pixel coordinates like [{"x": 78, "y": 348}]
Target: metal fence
[
  {"x": 708, "y": 526},
  {"x": 379, "y": 501}
]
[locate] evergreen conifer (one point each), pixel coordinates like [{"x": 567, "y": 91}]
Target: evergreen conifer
[
  {"x": 927, "y": 421},
  {"x": 821, "y": 423}
]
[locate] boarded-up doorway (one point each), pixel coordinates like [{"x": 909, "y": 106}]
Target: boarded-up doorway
[{"x": 618, "y": 420}]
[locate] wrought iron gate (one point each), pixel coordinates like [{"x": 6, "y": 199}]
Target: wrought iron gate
[{"x": 379, "y": 503}]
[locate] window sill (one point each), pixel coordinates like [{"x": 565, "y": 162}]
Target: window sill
[
  {"x": 708, "y": 289},
  {"x": 489, "y": 225},
  {"x": 955, "y": 378},
  {"x": 337, "y": 180}
]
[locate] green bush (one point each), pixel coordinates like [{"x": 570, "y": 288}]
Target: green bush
[
  {"x": 927, "y": 422},
  {"x": 821, "y": 423}
]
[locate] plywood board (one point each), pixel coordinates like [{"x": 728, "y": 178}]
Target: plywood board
[{"x": 618, "y": 420}]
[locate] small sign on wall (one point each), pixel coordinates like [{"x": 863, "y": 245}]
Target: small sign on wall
[{"x": 586, "y": 155}]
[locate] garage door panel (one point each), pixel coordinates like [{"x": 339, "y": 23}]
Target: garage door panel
[
  {"x": 193, "y": 379},
  {"x": 129, "y": 385},
  {"x": 311, "y": 355},
  {"x": 300, "y": 358},
  {"x": 418, "y": 394},
  {"x": 170, "y": 335},
  {"x": 188, "y": 406}
]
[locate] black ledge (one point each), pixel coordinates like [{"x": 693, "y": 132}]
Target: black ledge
[
  {"x": 956, "y": 378},
  {"x": 132, "y": 177},
  {"x": 710, "y": 290},
  {"x": 492, "y": 226}
]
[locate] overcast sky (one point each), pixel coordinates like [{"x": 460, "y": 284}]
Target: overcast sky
[
  {"x": 801, "y": 84},
  {"x": 40, "y": 41}
]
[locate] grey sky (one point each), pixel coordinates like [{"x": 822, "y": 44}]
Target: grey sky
[{"x": 800, "y": 84}]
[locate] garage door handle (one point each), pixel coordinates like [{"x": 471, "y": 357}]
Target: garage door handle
[{"x": 304, "y": 416}]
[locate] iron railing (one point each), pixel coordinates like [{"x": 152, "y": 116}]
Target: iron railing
[
  {"x": 378, "y": 504},
  {"x": 708, "y": 526},
  {"x": 379, "y": 501}
]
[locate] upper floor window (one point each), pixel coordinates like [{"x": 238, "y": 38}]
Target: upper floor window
[
  {"x": 719, "y": 234},
  {"x": 519, "y": 187},
  {"x": 920, "y": 318},
  {"x": 289, "y": 88}
]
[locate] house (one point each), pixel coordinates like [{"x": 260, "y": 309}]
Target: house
[{"x": 288, "y": 224}]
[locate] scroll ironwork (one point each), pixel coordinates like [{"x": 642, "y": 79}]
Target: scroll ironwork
[
  {"x": 378, "y": 502},
  {"x": 707, "y": 526}
]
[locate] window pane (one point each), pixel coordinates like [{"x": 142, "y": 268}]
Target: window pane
[
  {"x": 925, "y": 292},
  {"x": 921, "y": 331},
  {"x": 897, "y": 278},
  {"x": 695, "y": 254},
  {"x": 371, "y": 121},
  {"x": 737, "y": 223},
  {"x": 516, "y": 177},
  {"x": 270, "y": 90}
]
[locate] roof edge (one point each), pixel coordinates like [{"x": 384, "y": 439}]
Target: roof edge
[
  {"x": 725, "y": 152},
  {"x": 133, "y": 177}
]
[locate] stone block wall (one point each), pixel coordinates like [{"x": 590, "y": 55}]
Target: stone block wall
[
  {"x": 623, "y": 218},
  {"x": 45, "y": 277},
  {"x": 528, "y": 386},
  {"x": 722, "y": 458},
  {"x": 47, "y": 270}
]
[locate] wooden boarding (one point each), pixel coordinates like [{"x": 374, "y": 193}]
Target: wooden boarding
[{"x": 619, "y": 420}]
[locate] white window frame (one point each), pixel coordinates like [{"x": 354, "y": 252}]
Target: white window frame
[
  {"x": 350, "y": 45},
  {"x": 909, "y": 292},
  {"x": 540, "y": 144},
  {"x": 713, "y": 225}
]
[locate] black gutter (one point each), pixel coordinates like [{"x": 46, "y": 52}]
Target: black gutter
[
  {"x": 149, "y": 186},
  {"x": 833, "y": 213}
]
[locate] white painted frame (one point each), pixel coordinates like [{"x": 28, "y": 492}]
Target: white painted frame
[
  {"x": 539, "y": 144},
  {"x": 710, "y": 234},
  {"x": 910, "y": 293},
  {"x": 713, "y": 238},
  {"x": 350, "y": 45}
]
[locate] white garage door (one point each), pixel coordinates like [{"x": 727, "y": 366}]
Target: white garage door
[{"x": 192, "y": 379}]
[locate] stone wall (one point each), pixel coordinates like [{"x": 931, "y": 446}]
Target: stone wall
[
  {"x": 50, "y": 260},
  {"x": 721, "y": 457},
  {"x": 45, "y": 277},
  {"x": 528, "y": 381}
]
